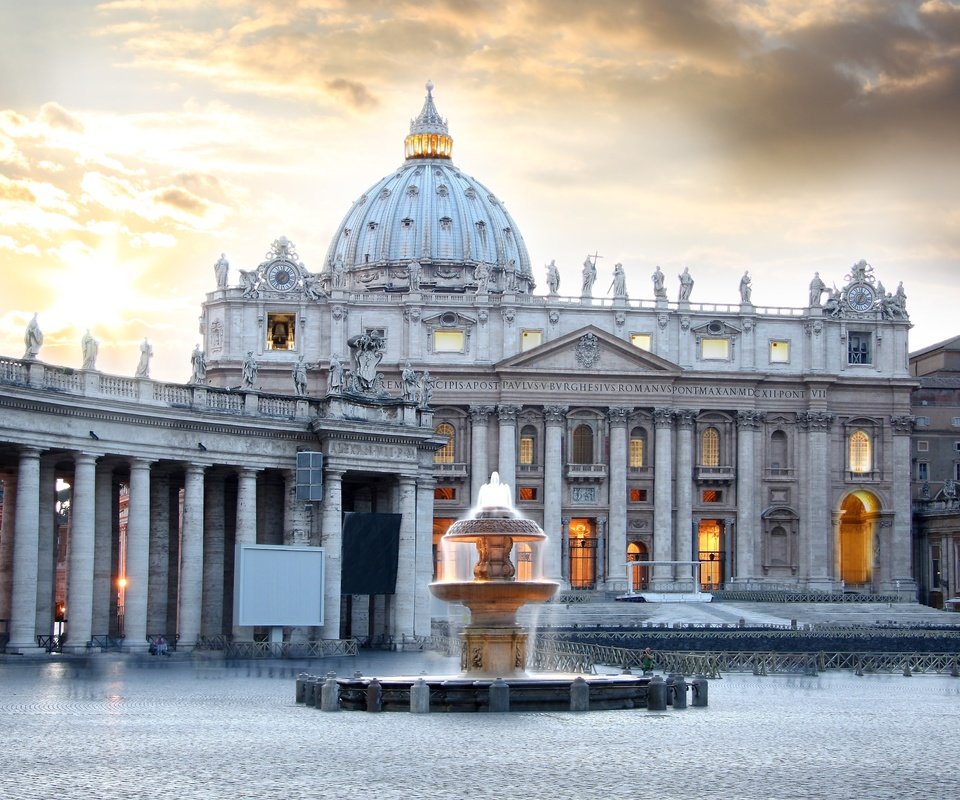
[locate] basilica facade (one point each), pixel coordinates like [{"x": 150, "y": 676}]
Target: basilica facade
[{"x": 663, "y": 443}]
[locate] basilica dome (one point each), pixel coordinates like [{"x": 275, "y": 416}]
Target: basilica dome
[{"x": 428, "y": 227}]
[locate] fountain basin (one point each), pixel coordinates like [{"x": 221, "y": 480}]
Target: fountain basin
[{"x": 494, "y": 602}]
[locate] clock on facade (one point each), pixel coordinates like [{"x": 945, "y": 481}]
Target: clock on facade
[
  {"x": 860, "y": 297},
  {"x": 281, "y": 276}
]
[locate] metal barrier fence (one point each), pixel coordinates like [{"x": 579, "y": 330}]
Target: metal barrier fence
[{"x": 324, "y": 648}]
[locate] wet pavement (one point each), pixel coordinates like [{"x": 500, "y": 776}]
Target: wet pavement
[{"x": 122, "y": 727}]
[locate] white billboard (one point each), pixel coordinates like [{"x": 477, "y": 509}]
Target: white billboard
[{"x": 278, "y": 586}]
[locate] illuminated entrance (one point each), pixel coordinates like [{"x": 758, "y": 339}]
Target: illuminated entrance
[
  {"x": 710, "y": 547},
  {"x": 441, "y": 569},
  {"x": 637, "y": 551},
  {"x": 583, "y": 553},
  {"x": 859, "y": 512}
]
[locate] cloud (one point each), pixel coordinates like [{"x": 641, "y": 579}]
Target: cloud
[
  {"x": 181, "y": 200},
  {"x": 356, "y": 94},
  {"x": 58, "y": 117}
]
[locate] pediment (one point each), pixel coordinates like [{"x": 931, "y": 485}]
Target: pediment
[{"x": 588, "y": 350}]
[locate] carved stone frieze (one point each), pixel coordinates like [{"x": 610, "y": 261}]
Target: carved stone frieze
[
  {"x": 662, "y": 320},
  {"x": 588, "y": 350}
]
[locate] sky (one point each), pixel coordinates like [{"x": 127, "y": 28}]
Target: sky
[{"x": 140, "y": 139}]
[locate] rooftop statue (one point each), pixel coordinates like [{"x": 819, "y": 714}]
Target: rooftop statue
[
  {"x": 143, "y": 365},
  {"x": 619, "y": 285},
  {"x": 89, "y": 346},
  {"x": 250, "y": 370},
  {"x": 686, "y": 285},
  {"x": 817, "y": 288},
  {"x": 589, "y": 277},
  {"x": 553, "y": 277},
  {"x": 745, "y": 289},
  {"x": 659, "y": 290},
  {"x": 198, "y": 366},
  {"x": 220, "y": 270},
  {"x": 32, "y": 339}
]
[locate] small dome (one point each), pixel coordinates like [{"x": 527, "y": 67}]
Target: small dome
[{"x": 430, "y": 214}]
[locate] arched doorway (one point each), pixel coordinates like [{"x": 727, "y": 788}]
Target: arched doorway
[
  {"x": 582, "y": 538},
  {"x": 639, "y": 576},
  {"x": 710, "y": 553},
  {"x": 858, "y": 514}
]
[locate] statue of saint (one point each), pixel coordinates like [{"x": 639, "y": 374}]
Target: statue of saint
[
  {"x": 414, "y": 269},
  {"x": 481, "y": 274},
  {"x": 32, "y": 339},
  {"x": 410, "y": 384},
  {"x": 198, "y": 366},
  {"x": 300, "y": 377},
  {"x": 367, "y": 353},
  {"x": 553, "y": 277},
  {"x": 745, "y": 288},
  {"x": 90, "y": 347},
  {"x": 588, "y": 278},
  {"x": 143, "y": 365},
  {"x": 686, "y": 285},
  {"x": 250, "y": 370},
  {"x": 220, "y": 269},
  {"x": 426, "y": 389},
  {"x": 335, "y": 376},
  {"x": 659, "y": 290},
  {"x": 619, "y": 285},
  {"x": 817, "y": 288},
  {"x": 312, "y": 287}
]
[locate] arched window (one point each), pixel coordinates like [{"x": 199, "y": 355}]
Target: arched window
[
  {"x": 582, "y": 445},
  {"x": 860, "y": 458},
  {"x": 710, "y": 448},
  {"x": 778, "y": 451},
  {"x": 445, "y": 455},
  {"x": 638, "y": 447},
  {"x": 528, "y": 445}
]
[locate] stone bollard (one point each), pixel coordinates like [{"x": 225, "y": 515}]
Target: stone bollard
[
  {"x": 698, "y": 687},
  {"x": 499, "y": 696},
  {"x": 301, "y": 686},
  {"x": 906, "y": 669},
  {"x": 374, "y": 695},
  {"x": 679, "y": 692},
  {"x": 656, "y": 694},
  {"x": 420, "y": 697},
  {"x": 671, "y": 677},
  {"x": 311, "y": 690},
  {"x": 579, "y": 695},
  {"x": 330, "y": 694}
]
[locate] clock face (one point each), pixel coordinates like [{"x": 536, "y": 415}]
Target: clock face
[
  {"x": 282, "y": 276},
  {"x": 860, "y": 297}
]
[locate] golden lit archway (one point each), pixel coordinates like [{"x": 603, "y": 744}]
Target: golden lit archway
[{"x": 855, "y": 547}]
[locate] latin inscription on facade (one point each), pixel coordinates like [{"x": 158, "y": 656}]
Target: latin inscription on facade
[{"x": 384, "y": 452}]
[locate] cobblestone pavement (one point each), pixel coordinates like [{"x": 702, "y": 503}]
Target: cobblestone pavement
[{"x": 114, "y": 727}]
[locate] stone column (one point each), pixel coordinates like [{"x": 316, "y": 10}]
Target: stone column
[
  {"x": 104, "y": 588},
  {"x": 82, "y": 543},
  {"x": 663, "y": 493},
  {"x": 23, "y": 586},
  {"x": 901, "y": 578},
  {"x": 246, "y": 532},
  {"x": 403, "y": 606},
  {"x": 617, "y": 529},
  {"x": 479, "y": 466},
  {"x": 296, "y": 532},
  {"x": 158, "y": 583},
  {"x": 47, "y": 555},
  {"x": 813, "y": 328},
  {"x": 554, "y": 417},
  {"x": 332, "y": 540},
  {"x": 138, "y": 558},
  {"x": 507, "y": 468},
  {"x": 191, "y": 558},
  {"x": 6, "y": 542},
  {"x": 214, "y": 535},
  {"x": 684, "y": 546},
  {"x": 748, "y": 517},
  {"x": 820, "y": 544},
  {"x": 424, "y": 555}
]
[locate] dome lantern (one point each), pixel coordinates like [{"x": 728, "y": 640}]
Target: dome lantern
[{"x": 428, "y": 137}]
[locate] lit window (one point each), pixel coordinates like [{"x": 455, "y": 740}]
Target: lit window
[
  {"x": 779, "y": 352},
  {"x": 582, "y": 445},
  {"x": 638, "y": 441},
  {"x": 445, "y": 493},
  {"x": 715, "y": 349},
  {"x": 641, "y": 340},
  {"x": 445, "y": 454},
  {"x": 448, "y": 341},
  {"x": 638, "y": 495},
  {"x": 710, "y": 448},
  {"x": 528, "y": 445},
  {"x": 280, "y": 331},
  {"x": 527, "y": 494},
  {"x": 530, "y": 339},
  {"x": 712, "y": 496},
  {"x": 860, "y": 456},
  {"x": 858, "y": 348}
]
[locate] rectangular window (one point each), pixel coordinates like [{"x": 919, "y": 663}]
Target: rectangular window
[
  {"x": 638, "y": 495},
  {"x": 526, "y": 450},
  {"x": 923, "y": 446},
  {"x": 712, "y": 496},
  {"x": 636, "y": 452},
  {"x": 445, "y": 493},
  {"x": 530, "y": 339},
  {"x": 527, "y": 494},
  {"x": 641, "y": 340},
  {"x": 779, "y": 351},
  {"x": 448, "y": 341},
  {"x": 280, "y": 331},
  {"x": 921, "y": 422},
  {"x": 858, "y": 348},
  {"x": 955, "y": 422},
  {"x": 923, "y": 471},
  {"x": 715, "y": 349}
]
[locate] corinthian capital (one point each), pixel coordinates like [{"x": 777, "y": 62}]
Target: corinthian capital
[
  {"x": 555, "y": 414},
  {"x": 663, "y": 417}
]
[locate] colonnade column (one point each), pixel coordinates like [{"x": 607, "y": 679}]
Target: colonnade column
[
  {"x": 47, "y": 545},
  {"x": 82, "y": 544},
  {"x": 158, "y": 583},
  {"x": 507, "y": 462},
  {"x": 424, "y": 556},
  {"x": 191, "y": 558},
  {"x": 23, "y": 584},
  {"x": 901, "y": 577},
  {"x": 6, "y": 542},
  {"x": 663, "y": 493},
  {"x": 748, "y": 527},
  {"x": 332, "y": 540},
  {"x": 617, "y": 529},
  {"x": 403, "y": 606},
  {"x": 554, "y": 418},
  {"x": 820, "y": 542},
  {"x": 138, "y": 558},
  {"x": 684, "y": 544},
  {"x": 296, "y": 532},
  {"x": 246, "y": 532},
  {"x": 214, "y": 535},
  {"x": 103, "y": 586},
  {"x": 479, "y": 430}
]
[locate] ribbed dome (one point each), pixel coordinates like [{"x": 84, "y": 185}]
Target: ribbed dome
[{"x": 430, "y": 213}]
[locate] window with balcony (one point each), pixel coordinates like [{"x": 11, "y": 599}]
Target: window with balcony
[
  {"x": 859, "y": 453},
  {"x": 710, "y": 448},
  {"x": 527, "y": 454},
  {"x": 445, "y": 455},
  {"x": 638, "y": 447},
  {"x": 582, "y": 445}
]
